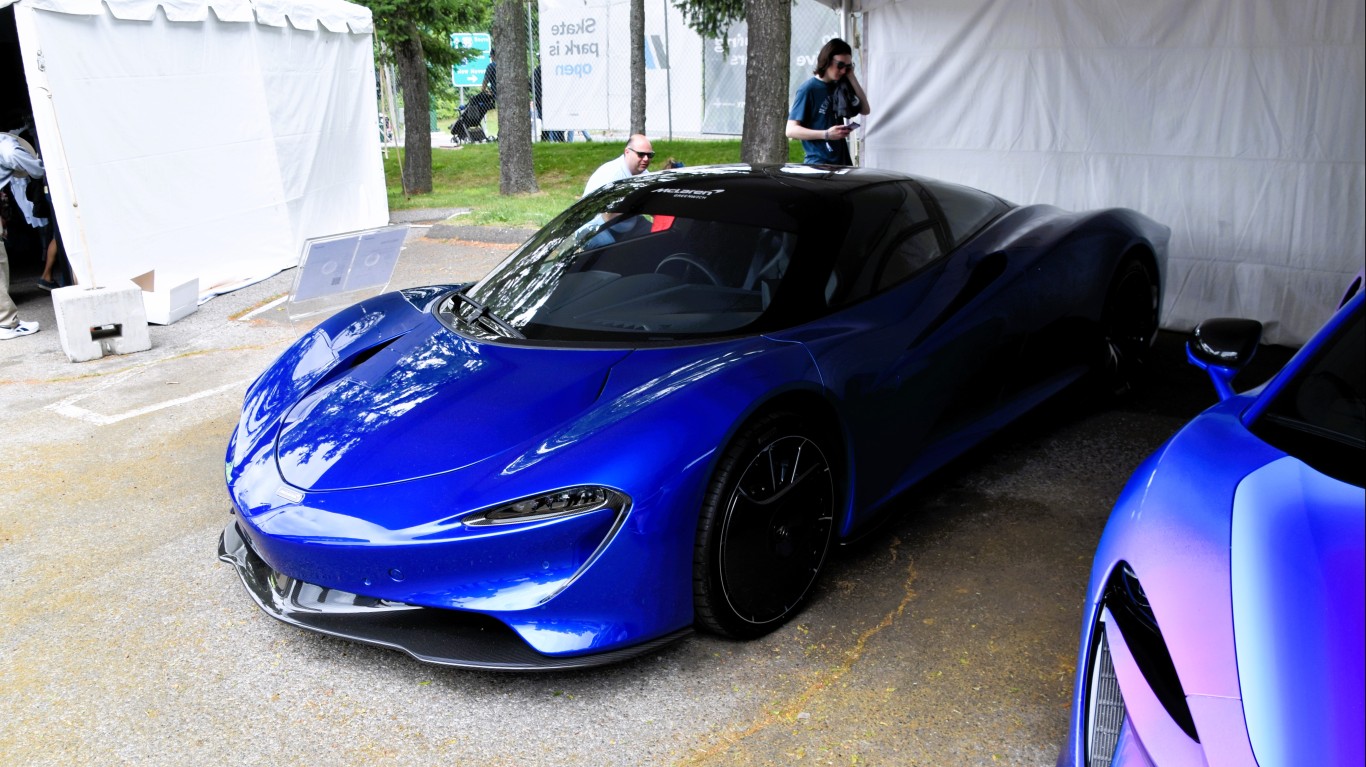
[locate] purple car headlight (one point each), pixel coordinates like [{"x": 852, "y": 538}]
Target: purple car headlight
[{"x": 559, "y": 503}]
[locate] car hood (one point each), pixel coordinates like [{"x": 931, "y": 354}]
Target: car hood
[
  {"x": 431, "y": 401},
  {"x": 1298, "y": 605}
]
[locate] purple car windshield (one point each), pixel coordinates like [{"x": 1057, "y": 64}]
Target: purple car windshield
[{"x": 1320, "y": 415}]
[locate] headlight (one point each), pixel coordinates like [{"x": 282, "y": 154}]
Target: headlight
[{"x": 559, "y": 503}]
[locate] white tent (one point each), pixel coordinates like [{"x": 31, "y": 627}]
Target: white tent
[
  {"x": 1239, "y": 123},
  {"x": 204, "y": 138}
]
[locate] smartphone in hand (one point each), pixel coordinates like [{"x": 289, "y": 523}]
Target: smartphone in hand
[{"x": 851, "y": 125}]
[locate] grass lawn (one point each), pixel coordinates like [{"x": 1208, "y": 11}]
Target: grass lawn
[{"x": 468, "y": 177}]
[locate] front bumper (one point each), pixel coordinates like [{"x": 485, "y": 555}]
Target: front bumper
[{"x": 432, "y": 635}]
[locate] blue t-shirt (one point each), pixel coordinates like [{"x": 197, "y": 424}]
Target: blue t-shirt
[{"x": 812, "y": 108}]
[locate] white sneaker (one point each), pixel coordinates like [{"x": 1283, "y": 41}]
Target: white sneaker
[{"x": 22, "y": 329}]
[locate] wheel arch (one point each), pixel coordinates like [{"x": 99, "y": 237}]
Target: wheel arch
[
  {"x": 1141, "y": 250},
  {"x": 814, "y": 406},
  {"x": 1112, "y": 237},
  {"x": 800, "y": 407}
]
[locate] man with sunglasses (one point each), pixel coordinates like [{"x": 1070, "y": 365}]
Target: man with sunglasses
[
  {"x": 813, "y": 119},
  {"x": 634, "y": 160}
]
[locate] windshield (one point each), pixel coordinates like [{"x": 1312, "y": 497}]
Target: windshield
[
  {"x": 704, "y": 256},
  {"x": 1320, "y": 415}
]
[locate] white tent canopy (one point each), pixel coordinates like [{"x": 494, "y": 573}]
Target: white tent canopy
[
  {"x": 1239, "y": 123},
  {"x": 200, "y": 138}
]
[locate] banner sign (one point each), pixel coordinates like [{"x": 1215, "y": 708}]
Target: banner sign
[
  {"x": 470, "y": 74},
  {"x": 574, "y": 70}
]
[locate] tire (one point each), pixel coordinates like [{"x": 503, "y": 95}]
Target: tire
[
  {"x": 1128, "y": 327},
  {"x": 765, "y": 530}
]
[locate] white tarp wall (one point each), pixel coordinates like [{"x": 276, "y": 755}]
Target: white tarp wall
[
  {"x": 586, "y": 67},
  {"x": 203, "y": 138},
  {"x": 1238, "y": 123}
]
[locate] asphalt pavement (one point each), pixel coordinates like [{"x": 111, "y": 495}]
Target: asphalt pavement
[{"x": 946, "y": 637}]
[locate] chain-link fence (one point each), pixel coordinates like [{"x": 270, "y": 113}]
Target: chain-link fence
[{"x": 695, "y": 87}]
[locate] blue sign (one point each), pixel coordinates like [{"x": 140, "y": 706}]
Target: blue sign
[{"x": 471, "y": 73}]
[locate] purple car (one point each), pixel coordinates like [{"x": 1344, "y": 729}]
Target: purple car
[{"x": 1223, "y": 621}]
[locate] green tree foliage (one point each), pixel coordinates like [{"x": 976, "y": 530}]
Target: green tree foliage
[
  {"x": 415, "y": 35},
  {"x": 711, "y": 18},
  {"x": 435, "y": 22}
]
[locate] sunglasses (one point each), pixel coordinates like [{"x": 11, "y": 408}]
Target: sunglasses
[
  {"x": 646, "y": 155},
  {"x": 843, "y": 65}
]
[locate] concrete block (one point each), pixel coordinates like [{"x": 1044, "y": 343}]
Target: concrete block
[
  {"x": 166, "y": 297},
  {"x": 93, "y": 322}
]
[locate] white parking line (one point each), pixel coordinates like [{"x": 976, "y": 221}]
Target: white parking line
[
  {"x": 70, "y": 409},
  {"x": 263, "y": 308}
]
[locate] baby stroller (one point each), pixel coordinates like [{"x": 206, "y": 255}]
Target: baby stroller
[{"x": 467, "y": 129}]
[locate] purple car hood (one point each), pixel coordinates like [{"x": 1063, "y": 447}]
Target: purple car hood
[
  {"x": 1298, "y": 607},
  {"x": 431, "y": 401}
]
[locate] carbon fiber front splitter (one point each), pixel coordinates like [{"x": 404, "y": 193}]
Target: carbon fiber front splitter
[{"x": 444, "y": 637}]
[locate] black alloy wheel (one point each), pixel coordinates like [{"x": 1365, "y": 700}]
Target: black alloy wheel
[{"x": 765, "y": 529}]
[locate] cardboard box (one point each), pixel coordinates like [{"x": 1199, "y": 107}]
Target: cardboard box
[{"x": 167, "y": 298}]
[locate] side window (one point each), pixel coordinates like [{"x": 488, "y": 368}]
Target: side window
[
  {"x": 918, "y": 249},
  {"x": 966, "y": 210},
  {"x": 902, "y": 239}
]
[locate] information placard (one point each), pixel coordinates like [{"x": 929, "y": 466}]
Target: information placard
[{"x": 339, "y": 268}]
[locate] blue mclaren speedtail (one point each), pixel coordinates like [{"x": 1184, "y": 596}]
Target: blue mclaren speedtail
[
  {"x": 665, "y": 408},
  {"x": 1223, "y": 622}
]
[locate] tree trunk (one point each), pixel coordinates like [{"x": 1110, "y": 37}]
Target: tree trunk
[
  {"x": 417, "y": 139},
  {"x": 766, "y": 96},
  {"x": 638, "y": 66},
  {"x": 516, "y": 173}
]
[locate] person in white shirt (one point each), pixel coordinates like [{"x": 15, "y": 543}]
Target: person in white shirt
[
  {"x": 17, "y": 159},
  {"x": 634, "y": 160}
]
